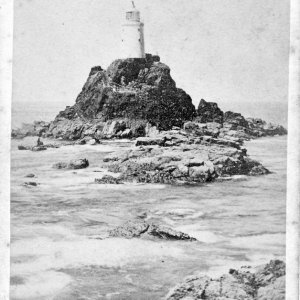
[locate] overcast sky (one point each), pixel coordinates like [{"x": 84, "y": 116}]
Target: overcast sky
[{"x": 226, "y": 51}]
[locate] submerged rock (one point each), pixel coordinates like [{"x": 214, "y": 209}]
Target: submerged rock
[
  {"x": 140, "y": 228},
  {"x": 73, "y": 164},
  {"x": 265, "y": 283}
]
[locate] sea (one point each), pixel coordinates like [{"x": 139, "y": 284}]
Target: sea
[{"x": 59, "y": 244}]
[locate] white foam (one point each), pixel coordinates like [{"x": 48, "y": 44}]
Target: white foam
[
  {"x": 204, "y": 236},
  {"x": 44, "y": 256},
  {"x": 114, "y": 252},
  {"x": 40, "y": 285}
]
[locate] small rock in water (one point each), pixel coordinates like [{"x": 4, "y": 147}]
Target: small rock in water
[
  {"x": 108, "y": 179},
  {"x": 138, "y": 228},
  {"x": 21, "y": 147},
  {"x": 78, "y": 164},
  {"x": 30, "y": 175},
  {"x": 130, "y": 229},
  {"x": 73, "y": 164},
  {"x": 30, "y": 183},
  {"x": 142, "y": 215}
]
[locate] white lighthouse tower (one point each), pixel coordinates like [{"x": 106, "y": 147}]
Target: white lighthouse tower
[{"x": 133, "y": 35}]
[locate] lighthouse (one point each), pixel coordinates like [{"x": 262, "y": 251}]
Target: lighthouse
[{"x": 133, "y": 35}]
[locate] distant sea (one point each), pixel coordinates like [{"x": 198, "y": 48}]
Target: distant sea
[{"x": 27, "y": 112}]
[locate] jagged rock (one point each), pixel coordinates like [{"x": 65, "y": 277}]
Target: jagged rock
[
  {"x": 209, "y": 112},
  {"x": 265, "y": 284},
  {"x": 133, "y": 89},
  {"x": 140, "y": 228},
  {"x": 73, "y": 164},
  {"x": 67, "y": 129},
  {"x": 108, "y": 179},
  {"x": 235, "y": 119},
  {"x": 166, "y": 233}
]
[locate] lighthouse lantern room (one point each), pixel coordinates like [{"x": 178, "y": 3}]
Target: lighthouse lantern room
[{"x": 133, "y": 35}]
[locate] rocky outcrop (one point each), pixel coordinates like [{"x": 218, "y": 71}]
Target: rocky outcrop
[
  {"x": 235, "y": 119},
  {"x": 175, "y": 157},
  {"x": 267, "y": 282},
  {"x": 73, "y": 164},
  {"x": 140, "y": 228},
  {"x": 209, "y": 112},
  {"x": 261, "y": 128},
  {"x": 137, "y": 97},
  {"x": 130, "y": 89}
]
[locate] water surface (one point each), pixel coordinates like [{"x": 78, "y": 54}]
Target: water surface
[{"x": 59, "y": 228}]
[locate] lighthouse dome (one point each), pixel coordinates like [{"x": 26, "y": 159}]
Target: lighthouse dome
[{"x": 133, "y": 14}]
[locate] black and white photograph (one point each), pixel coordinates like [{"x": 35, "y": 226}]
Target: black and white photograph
[{"x": 149, "y": 152}]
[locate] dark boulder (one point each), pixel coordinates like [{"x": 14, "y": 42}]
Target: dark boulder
[{"x": 209, "y": 112}]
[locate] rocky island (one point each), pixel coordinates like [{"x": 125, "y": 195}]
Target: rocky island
[{"x": 136, "y": 98}]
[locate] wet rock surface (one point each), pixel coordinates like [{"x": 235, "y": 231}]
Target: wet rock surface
[
  {"x": 175, "y": 157},
  {"x": 265, "y": 282},
  {"x": 73, "y": 164},
  {"x": 140, "y": 228},
  {"x": 108, "y": 179}
]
